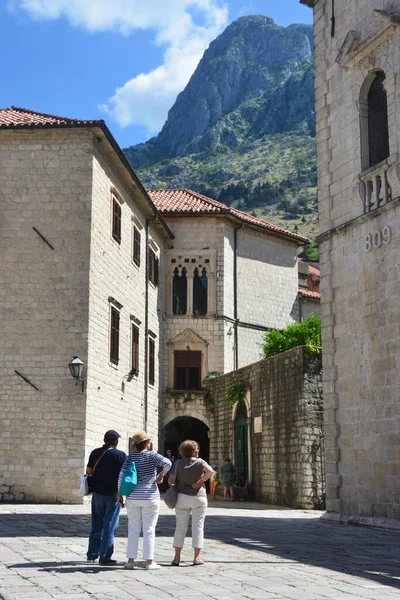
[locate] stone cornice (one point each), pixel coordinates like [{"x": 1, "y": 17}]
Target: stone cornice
[{"x": 353, "y": 50}]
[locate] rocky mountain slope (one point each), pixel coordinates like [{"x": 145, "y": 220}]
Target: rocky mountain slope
[{"x": 242, "y": 131}]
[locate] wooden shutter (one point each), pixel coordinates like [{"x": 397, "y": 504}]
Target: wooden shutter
[
  {"x": 187, "y": 369},
  {"x": 152, "y": 361},
  {"x": 114, "y": 336},
  {"x": 136, "y": 246},
  {"x": 156, "y": 270},
  {"x": 116, "y": 221},
  {"x": 135, "y": 349},
  {"x": 152, "y": 257}
]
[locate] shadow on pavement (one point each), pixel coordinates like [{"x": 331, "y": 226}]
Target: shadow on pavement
[{"x": 371, "y": 554}]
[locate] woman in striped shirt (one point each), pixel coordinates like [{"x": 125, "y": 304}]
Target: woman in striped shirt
[{"x": 143, "y": 503}]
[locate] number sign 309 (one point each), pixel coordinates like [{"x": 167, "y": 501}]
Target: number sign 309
[{"x": 379, "y": 237}]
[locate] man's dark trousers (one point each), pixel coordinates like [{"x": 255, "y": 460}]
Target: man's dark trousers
[{"x": 105, "y": 520}]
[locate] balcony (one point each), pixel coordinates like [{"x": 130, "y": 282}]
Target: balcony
[{"x": 379, "y": 185}]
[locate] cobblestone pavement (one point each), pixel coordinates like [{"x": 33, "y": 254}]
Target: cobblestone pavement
[{"x": 251, "y": 551}]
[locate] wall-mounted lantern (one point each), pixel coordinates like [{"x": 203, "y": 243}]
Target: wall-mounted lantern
[{"x": 76, "y": 369}]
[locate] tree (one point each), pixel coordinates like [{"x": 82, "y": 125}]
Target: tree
[{"x": 305, "y": 333}]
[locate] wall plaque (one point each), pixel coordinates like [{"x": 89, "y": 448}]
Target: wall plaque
[{"x": 257, "y": 424}]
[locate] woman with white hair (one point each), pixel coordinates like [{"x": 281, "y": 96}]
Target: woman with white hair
[{"x": 143, "y": 503}]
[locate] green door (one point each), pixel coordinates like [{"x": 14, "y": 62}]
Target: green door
[{"x": 241, "y": 447}]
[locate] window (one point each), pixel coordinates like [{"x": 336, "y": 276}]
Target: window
[
  {"x": 136, "y": 246},
  {"x": 135, "y": 350},
  {"x": 152, "y": 361},
  {"x": 200, "y": 292},
  {"x": 187, "y": 370},
  {"x": 374, "y": 121},
  {"x": 153, "y": 267},
  {"x": 179, "y": 292},
  {"x": 114, "y": 335},
  {"x": 116, "y": 220},
  {"x": 378, "y": 130}
]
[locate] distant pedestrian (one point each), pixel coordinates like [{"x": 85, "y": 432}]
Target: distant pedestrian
[
  {"x": 143, "y": 503},
  {"x": 170, "y": 456},
  {"x": 214, "y": 481},
  {"x": 104, "y": 466},
  {"x": 241, "y": 488},
  {"x": 189, "y": 475},
  {"x": 228, "y": 477}
]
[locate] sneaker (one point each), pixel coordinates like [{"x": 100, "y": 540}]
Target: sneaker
[
  {"x": 129, "y": 566},
  {"x": 198, "y": 562},
  {"x": 152, "y": 566},
  {"x": 108, "y": 563},
  {"x": 175, "y": 563}
]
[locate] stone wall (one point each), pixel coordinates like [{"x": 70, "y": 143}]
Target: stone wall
[
  {"x": 45, "y": 182},
  {"x": 360, "y": 280},
  {"x": 285, "y": 397}
]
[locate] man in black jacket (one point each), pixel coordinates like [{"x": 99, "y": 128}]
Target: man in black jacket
[{"x": 104, "y": 466}]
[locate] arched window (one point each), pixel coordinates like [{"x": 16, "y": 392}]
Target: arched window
[
  {"x": 374, "y": 121},
  {"x": 179, "y": 292},
  {"x": 200, "y": 292}
]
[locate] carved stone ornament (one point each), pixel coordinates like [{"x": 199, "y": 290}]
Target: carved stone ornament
[
  {"x": 393, "y": 176},
  {"x": 188, "y": 336},
  {"x": 354, "y": 49},
  {"x": 351, "y": 41}
]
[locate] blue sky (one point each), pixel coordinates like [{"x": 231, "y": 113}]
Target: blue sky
[{"x": 119, "y": 60}]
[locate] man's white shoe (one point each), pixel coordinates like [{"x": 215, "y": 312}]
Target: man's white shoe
[
  {"x": 152, "y": 566},
  {"x": 129, "y": 566}
]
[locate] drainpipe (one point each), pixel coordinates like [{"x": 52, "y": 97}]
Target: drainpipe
[
  {"x": 146, "y": 326},
  {"x": 235, "y": 295}
]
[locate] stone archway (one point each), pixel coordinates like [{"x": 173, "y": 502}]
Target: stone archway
[{"x": 187, "y": 428}]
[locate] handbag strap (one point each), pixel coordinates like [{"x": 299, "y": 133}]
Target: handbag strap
[{"x": 99, "y": 459}]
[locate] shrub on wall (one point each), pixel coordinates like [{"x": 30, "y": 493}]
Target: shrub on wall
[{"x": 305, "y": 333}]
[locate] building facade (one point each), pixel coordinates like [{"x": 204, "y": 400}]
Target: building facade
[
  {"x": 152, "y": 291},
  {"x": 229, "y": 277},
  {"x": 357, "y": 70},
  {"x": 73, "y": 282}
]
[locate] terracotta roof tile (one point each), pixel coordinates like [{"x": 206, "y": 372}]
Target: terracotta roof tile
[
  {"x": 23, "y": 117},
  {"x": 309, "y": 294},
  {"x": 177, "y": 202}
]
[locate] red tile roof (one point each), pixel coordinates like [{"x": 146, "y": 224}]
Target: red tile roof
[
  {"x": 187, "y": 202},
  {"x": 22, "y": 117},
  {"x": 308, "y": 294},
  {"x": 311, "y": 269}
]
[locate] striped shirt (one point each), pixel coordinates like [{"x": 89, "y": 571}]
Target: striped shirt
[{"x": 146, "y": 464}]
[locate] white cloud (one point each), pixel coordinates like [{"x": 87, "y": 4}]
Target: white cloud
[{"x": 183, "y": 27}]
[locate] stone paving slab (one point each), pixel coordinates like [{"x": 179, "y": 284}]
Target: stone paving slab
[{"x": 251, "y": 551}]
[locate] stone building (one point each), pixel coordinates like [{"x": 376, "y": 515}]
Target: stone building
[
  {"x": 229, "y": 278},
  {"x": 357, "y": 70},
  {"x": 78, "y": 234},
  {"x": 150, "y": 290}
]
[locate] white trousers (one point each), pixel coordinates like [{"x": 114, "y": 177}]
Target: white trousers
[
  {"x": 142, "y": 513},
  {"x": 197, "y": 506}
]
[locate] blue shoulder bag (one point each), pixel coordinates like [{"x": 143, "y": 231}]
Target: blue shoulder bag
[{"x": 129, "y": 479}]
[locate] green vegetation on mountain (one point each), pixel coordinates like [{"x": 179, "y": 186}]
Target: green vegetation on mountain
[{"x": 242, "y": 131}]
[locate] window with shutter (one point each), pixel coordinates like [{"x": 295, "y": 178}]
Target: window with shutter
[
  {"x": 154, "y": 267},
  {"x": 152, "y": 361},
  {"x": 187, "y": 370},
  {"x": 114, "y": 335},
  {"x": 136, "y": 246},
  {"x": 116, "y": 220},
  {"x": 135, "y": 350},
  {"x": 200, "y": 292}
]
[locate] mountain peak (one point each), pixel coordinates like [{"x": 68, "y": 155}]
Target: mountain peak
[{"x": 249, "y": 59}]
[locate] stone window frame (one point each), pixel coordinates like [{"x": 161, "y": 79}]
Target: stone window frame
[
  {"x": 190, "y": 259},
  {"x": 187, "y": 340},
  {"x": 114, "y": 341},
  {"x": 153, "y": 257},
  {"x": 116, "y": 200},
  {"x": 137, "y": 228},
  {"x": 363, "y": 107}
]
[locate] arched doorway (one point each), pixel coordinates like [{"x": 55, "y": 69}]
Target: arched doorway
[
  {"x": 187, "y": 428},
  {"x": 242, "y": 440}
]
